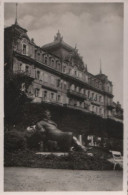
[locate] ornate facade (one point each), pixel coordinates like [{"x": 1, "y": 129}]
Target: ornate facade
[{"x": 59, "y": 74}]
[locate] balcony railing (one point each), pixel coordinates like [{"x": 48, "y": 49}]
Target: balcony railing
[
  {"x": 27, "y": 73},
  {"x": 110, "y": 106},
  {"x": 51, "y": 101},
  {"x": 46, "y": 84},
  {"x": 97, "y": 103},
  {"x": 77, "y": 94},
  {"x": 76, "y": 107}
]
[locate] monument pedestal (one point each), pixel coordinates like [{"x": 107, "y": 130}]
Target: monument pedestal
[{"x": 53, "y": 153}]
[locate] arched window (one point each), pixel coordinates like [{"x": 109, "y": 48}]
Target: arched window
[{"x": 72, "y": 87}]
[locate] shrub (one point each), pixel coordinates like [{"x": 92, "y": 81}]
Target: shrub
[
  {"x": 74, "y": 161},
  {"x": 14, "y": 140}
]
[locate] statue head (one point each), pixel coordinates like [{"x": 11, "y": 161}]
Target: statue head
[{"x": 47, "y": 114}]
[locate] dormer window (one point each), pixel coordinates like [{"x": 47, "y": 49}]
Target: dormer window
[
  {"x": 38, "y": 56},
  {"x": 24, "y": 49}
]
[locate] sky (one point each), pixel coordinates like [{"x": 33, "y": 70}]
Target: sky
[{"x": 96, "y": 29}]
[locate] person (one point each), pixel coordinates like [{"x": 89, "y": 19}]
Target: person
[{"x": 50, "y": 130}]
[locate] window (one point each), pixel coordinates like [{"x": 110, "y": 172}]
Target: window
[
  {"x": 96, "y": 97},
  {"x": 38, "y": 56},
  {"x": 100, "y": 85},
  {"x": 77, "y": 89},
  {"x": 52, "y": 96},
  {"x": 37, "y": 92},
  {"x": 64, "y": 69},
  {"x": 65, "y": 85},
  {"x": 58, "y": 98},
  {"x": 53, "y": 63},
  {"x": 58, "y": 83},
  {"x": 58, "y": 65},
  {"x": 92, "y": 96},
  {"x": 88, "y": 93},
  {"x": 38, "y": 75},
  {"x": 42, "y": 57},
  {"x": 100, "y": 111},
  {"x": 20, "y": 66},
  {"x": 45, "y": 60},
  {"x": 99, "y": 98},
  {"x": 24, "y": 49},
  {"x": 27, "y": 69},
  {"x": 45, "y": 95}
]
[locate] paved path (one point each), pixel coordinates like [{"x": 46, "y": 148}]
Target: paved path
[{"x": 38, "y": 179}]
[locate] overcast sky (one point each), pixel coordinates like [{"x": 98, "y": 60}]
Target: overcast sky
[{"x": 96, "y": 28}]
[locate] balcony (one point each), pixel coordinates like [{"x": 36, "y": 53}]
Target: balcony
[
  {"x": 97, "y": 103},
  {"x": 51, "y": 101},
  {"x": 110, "y": 106},
  {"x": 76, "y": 94},
  {"x": 76, "y": 107},
  {"x": 46, "y": 85},
  {"x": 26, "y": 73}
]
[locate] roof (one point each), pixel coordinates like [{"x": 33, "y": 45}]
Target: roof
[
  {"x": 16, "y": 26},
  {"x": 56, "y": 44},
  {"x": 58, "y": 41}
]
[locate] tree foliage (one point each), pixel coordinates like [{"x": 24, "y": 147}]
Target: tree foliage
[{"x": 14, "y": 98}]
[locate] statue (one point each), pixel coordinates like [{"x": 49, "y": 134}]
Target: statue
[{"x": 49, "y": 132}]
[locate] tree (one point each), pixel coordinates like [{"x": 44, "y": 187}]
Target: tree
[{"x": 15, "y": 96}]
